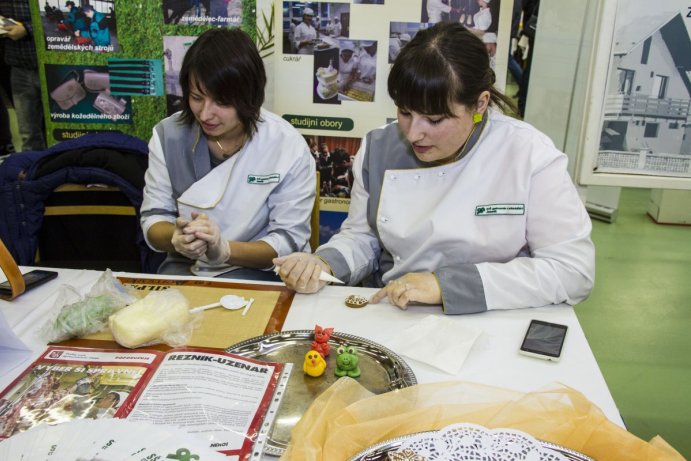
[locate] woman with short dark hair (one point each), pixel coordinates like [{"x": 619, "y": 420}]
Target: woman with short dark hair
[
  {"x": 456, "y": 204},
  {"x": 229, "y": 185}
]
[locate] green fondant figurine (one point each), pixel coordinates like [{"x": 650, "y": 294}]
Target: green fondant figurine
[{"x": 347, "y": 362}]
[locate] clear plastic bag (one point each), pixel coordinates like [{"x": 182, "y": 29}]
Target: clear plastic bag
[
  {"x": 159, "y": 317},
  {"x": 75, "y": 315}
]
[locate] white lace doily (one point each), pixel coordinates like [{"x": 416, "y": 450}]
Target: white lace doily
[{"x": 470, "y": 442}]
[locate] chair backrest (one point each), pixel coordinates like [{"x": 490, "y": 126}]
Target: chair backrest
[
  {"x": 30, "y": 181},
  {"x": 89, "y": 227},
  {"x": 11, "y": 270},
  {"x": 314, "y": 219}
]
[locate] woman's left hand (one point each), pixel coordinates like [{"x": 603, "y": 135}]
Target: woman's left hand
[{"x": 419, "y": 287}]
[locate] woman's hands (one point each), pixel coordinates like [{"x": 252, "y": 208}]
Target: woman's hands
[
  {"x": 206, "y": 230},
  {"x": 419, "y": 287},
  {"x": 300, "y": 271},
  {"x": 186, "y": 243},
  {"x": 200, "y": 237}
]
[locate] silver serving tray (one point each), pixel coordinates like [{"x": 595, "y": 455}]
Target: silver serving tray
[
  {"x": 380, "y": 451},
  {"x": 382, "y": 371}
]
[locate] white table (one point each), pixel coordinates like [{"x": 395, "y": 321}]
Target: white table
[{"x": 493, "y": 360}]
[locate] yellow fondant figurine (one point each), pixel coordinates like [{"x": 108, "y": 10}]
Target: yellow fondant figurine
[{"x": 314, "y": 364}]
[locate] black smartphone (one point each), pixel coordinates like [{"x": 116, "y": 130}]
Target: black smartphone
[
  {"x": 32, "y": 279},
  {"x": 544, "y": 340}
]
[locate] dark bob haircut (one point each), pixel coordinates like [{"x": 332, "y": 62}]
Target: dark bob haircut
[
  {"x": 225, "y": 65},
  {"x": 443, "y": 65}
]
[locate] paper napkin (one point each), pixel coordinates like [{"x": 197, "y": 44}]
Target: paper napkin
[
  {"x": 438, "y": 341},
  {"x": 13, "y": 351}
]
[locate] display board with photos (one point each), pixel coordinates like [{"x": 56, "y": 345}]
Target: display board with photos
[
  {"x": 331, "y": 67},
  {"x": 115, "y": 66},
  {"x": 112, "y": 64}
]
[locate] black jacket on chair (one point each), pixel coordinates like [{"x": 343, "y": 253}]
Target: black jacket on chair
[{"x": 27, "y": 179}]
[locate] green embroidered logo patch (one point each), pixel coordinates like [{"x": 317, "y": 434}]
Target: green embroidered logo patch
[
  {"x": 263, "y": 178},
  {"x": 500, "y": 209}
]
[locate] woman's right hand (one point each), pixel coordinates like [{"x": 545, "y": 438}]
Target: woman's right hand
[{"x": 300, "y": 271}]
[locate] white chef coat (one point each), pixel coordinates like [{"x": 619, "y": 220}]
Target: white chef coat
[
  {"x": 394, "y": 48},
  {"x": 265, "y": 192},
  {"x": 501, "y": 228},
  {"x": 291, "y": 36},
  {"x": 345, "y": 69},
  {"x": 482, "y": 19},
  {"x": 435, "y": 8},
  {"x": 367, "y": 69},
  {"x": 304, "y": 32}
]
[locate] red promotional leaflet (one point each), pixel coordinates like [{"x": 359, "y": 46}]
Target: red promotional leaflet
[{"x": 220, "y": 397}]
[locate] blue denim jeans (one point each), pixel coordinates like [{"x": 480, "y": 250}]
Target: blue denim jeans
[{"x": 26, "y": 93}]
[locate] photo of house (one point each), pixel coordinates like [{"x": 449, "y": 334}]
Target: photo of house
[{"x": 646, "y": 124}]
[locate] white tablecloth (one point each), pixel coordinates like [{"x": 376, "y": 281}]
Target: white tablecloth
[{"x": 493, "y": 359}]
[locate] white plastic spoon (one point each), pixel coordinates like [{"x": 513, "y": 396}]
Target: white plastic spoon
[{"x": 230, "y": 302}]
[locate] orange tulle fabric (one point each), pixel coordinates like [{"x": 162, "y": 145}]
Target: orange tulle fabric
[{"x": 347, "y": 418}]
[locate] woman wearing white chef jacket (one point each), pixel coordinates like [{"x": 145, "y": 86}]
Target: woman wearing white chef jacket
[
  {"x": 229, "y": 184},
  {"x": 305, "y": 34},
  {"x": 456, "y": 203}
]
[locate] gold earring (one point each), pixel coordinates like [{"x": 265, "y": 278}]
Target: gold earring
[{"x": 477, "y": 117}]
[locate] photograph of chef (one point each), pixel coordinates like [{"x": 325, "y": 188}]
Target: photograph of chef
[
  {"x": 289, "y": 37},
  {"x": 347, "y": 64},
  {"x": 305, "y": 34},
  {"x": 230, "y": 186},
  {"x": 395, "y": 44},
  {"x": 468, "y": 9},
  {"x": 334, "y": 28},
  {"x": 435, "y": 9},
  {"x": 367, "y": 67},
  {"x": 482, "y": 20},
  {"x": 456, "y": 203},
  {"x": 490, "y": 41},
  {"x": 98, "y": 26}
]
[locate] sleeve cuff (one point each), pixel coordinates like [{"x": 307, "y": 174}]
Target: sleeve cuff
[
  {"x": 337, "y": 263},
  {"x": 462, "y": 291}
]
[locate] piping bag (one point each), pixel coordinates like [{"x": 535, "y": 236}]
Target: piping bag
[{"x": 323, "y": 276}]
